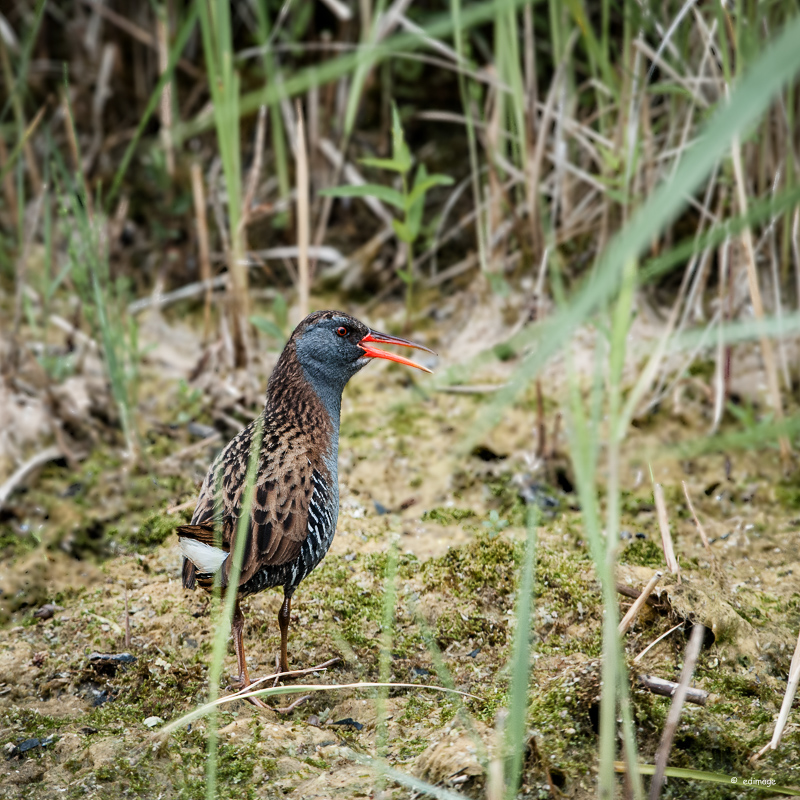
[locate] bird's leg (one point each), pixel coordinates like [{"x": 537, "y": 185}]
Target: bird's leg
[
  {"x": 237, "y": 627},
  {"x": 283, "y": 621}
]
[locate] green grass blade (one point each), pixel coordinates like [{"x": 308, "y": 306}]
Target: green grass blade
[
  {"x": 384, "y": 193},
  {"x": 225, "y": 615},
  {"x": 520, "y": 663},
  {"x": 734, "y": 781}
]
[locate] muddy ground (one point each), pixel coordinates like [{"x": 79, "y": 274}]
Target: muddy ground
[{"x": 80, "y": 542}]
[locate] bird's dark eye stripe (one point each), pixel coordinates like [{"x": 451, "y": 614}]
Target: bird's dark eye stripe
[{"x": 341, "y": 331}]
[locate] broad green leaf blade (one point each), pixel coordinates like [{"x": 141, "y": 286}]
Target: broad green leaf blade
[
  {"x": 400, "y": 152},
  {"x": 383, "y": 163},
  {"x": 384, "y": 193},
  {"x": 268, "y": 327},
  {"x": 421, "y": 187},
  {"x": 414, "y": 210},
  {"x": 402, "y": 231}
]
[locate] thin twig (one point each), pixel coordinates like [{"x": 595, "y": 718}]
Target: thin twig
[
  {"x": 127, "y": 621},
  {"x": 758, "y": 306},
  {"x": 674, "y": 715},
  {"x": 313, "y": 687},
  {"x": 654, "y": 643},
  {"x": 165, "y": 105},
  {"x": 700, "y": 529},
  {"x": 634, "y": 610},
  {"x": 666, "y": 536},
  {"x": 181, "y": 506},
  {"x": 198, "y": 194},
  {"x": 31, "y": 465}
]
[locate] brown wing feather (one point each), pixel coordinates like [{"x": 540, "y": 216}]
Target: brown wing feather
[{"x": 279, "y": 513}]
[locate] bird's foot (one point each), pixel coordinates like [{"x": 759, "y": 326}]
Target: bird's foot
[{"x": 242, "y": 687}]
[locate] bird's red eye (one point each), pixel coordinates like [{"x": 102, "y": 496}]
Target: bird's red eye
[{"x": 342, "y": 331}]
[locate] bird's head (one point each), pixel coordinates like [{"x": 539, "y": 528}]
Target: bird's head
[{"x": 333, "y": 346}]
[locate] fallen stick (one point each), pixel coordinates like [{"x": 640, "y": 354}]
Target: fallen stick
[{"x": 666, "y": 688}]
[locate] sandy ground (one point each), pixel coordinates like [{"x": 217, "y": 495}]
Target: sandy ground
[{"x": 74, "y": 725}]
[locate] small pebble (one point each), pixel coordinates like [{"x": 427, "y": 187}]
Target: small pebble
[{"x": 151, "y": 722}]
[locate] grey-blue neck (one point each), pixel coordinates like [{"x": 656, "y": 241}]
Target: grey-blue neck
[{"x": 329, "y": 389}]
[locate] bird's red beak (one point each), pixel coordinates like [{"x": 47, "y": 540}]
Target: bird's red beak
[{"x": 374, "y": 352}]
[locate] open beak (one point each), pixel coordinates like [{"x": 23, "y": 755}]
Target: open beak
[{"x": 375, "y": 352}]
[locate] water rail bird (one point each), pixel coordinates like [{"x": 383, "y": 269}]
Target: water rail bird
[{"x": 295, "y": 497}]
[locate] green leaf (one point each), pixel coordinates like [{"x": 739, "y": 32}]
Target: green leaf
[
  {"x": 421, "y": 187},
  {"x": 384, "y": 193},
  {"x": 402, "y": 231},
  {"x": 400, "y": 152},
  {"x": 280, "y": 310},
  {"x": 384, "y": 163},
  {"x": 405, "y": 276},
  {"x": 269, "y": 327},
  {"x": 414, "y": 210}
]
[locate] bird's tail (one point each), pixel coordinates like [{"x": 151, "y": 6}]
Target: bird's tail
[{"x": 202, "y": 555}]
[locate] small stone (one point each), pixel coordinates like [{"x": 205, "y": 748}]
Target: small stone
[{"x": 151, "y": 722}]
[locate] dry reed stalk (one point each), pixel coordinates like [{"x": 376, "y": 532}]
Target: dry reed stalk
[
  {"x": 102, "y": 92},
  {"x": 700, "y": 529},
  {"x": 303, "y": 215},
  {"x": 494, "y": 195},
  {"x": 198, "y": 195},
  {"x": 19, "y": 113},
  {"x": 634, "y": 610},
  {"x": 165, "y": 105},
  {"x": 541, "y": 427},
  {"x": 786, "y": 705},
  {"x": 666, "y": 536},
  {"x": 10, "y": 190},
  {"x": 341, "y": 11},
  {"x": 31, "y": 227},
  {"x": 758, "y": 306},
  {"x": 140, "y": 35},
  {"x": 771, "y": 235},
  {"x": 674, "y": 715},
  {"x": 127, "y": 620},
  {"x": 313, "y": 133},
  {"x": 720, "y": 367},
  {"x": 796, "y": 249},
  {"x": 255, "y": 172}
]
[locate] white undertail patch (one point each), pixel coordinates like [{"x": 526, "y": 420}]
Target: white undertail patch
[{"x": 207, "y": 559}]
